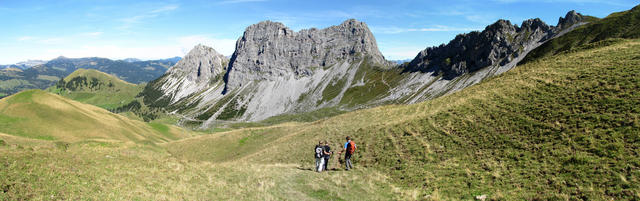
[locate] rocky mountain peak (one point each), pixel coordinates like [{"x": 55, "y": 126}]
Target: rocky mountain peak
[
  {"x": 354, "y": 24},
  {"x": 200, "y": 46},
  {"x": 269, "y": 50},
  {"x": 535, "y": 24},
  {"x": 267, "y": 26},
  {"x": 201, "y": 63},
  {"x": 571, "y": 18},
  {"x": 500, "y": 26},
  {"x": 275, "y": 70},
  {"x": 359, "y": 32},
  {"x": 499, "y": 45},
  {"x": 201, "y": 67}
]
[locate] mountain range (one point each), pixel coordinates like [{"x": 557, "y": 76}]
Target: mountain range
[
  {"x": 47, "y": 73},
  {"x": 275, "y": 70},
  {"x": 513, "y": 112},
  {"x": 24, "y": 64}
]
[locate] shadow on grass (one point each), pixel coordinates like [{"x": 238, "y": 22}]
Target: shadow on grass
[{"x": 313, "y": 169}]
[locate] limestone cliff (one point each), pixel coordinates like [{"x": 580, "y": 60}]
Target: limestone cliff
[{"x": 268, "y": 50}]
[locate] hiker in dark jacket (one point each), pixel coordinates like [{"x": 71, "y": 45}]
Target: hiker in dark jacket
[
  {"x": 327, "y": 154},
  {"x": 349, "y": 149},
  {"x": 319, "y": 155}
]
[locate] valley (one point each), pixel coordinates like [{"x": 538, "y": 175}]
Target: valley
[
  {"x": 436, "y": 149},
  {"x": 14, "y": 79},
  {"x": 512, "y": 112}
]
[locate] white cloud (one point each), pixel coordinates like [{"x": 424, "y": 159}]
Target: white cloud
[
  {"x": 56, "y": 40},
  {"x": 437, "y": 28},
  {"x": 128, "y": 22},
  {"x": 25, "y": 38},
  {"x": 42, "y": 41},
  {"x": 51, "y": 41},
  {"x": 176, "y": 47},
  {"x": 93, "y": 33},
  {"x": 49, "y": 48},
  {"x": 164, "y": 9},
  {"x": 114, "y": 52}
]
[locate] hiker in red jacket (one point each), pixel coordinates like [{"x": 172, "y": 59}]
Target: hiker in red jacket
[{"x": 349, "y": 149}]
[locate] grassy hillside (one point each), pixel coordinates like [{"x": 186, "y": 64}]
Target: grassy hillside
[
  {"x": 41, "y": 115},
  {"x": 117, "y": 171},
  {"x": 617, "y": 25},
  {"x": 561, "y": 127},
  {"x": 106, "y": 91},
  {"x": 46, "y": 75},
  {"x": 96, "y": 88}
]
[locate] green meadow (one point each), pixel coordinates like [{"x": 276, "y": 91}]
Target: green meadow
[{"x": 558, "y": 128}]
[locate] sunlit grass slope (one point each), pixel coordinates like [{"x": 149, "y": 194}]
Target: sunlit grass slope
[
  {"x": 41, "y": 115},
  {"x": 624, "y": 24},
  {"x": 565, "y": 127},
  {"x": 96, "y": 170},
  {"x": 561, "y": 127},
  {"x": 96, "y": 88}
]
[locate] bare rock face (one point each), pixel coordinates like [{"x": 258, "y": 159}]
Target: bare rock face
[
  {"x": 569, "y": 20},
  {"x": 201, "y": 63},
  {"x": 472, "y": 57},
  {"x": 197, "y": 71},
  {"x": 269, "y": 50},
  {"x": 275, "y": 70},
  {"x": 500, "y": 44}
]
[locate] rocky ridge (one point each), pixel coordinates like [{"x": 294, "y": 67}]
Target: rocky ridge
[
  {"x": 268, "y": 50},
  {"x": 469, "y": 58},
  {"x": 500, "y": 44},
  {"x": 201, "y": 68},
  {"x": 275, "y": 70}
]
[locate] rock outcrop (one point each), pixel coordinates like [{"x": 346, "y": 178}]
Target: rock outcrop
[
  {"x": 570, "y": 19},
  {"x": 500, "y": 44},
  {"x": 275, "y": 70},
  {"x": 469, "y": 58},
  {"x": 268, "y": 50},
  {"x": 201, "y": 68}
]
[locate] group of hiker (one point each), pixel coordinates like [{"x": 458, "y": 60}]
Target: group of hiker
[{"x": 323, "y": 153}]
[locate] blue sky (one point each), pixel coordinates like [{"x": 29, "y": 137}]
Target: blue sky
[{"x": 162, "y": 29}]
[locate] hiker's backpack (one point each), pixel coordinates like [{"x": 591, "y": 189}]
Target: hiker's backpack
[
  {"x": 351, "y": 147},
  {"x": 319, "y": 153}
]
